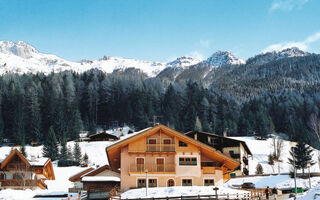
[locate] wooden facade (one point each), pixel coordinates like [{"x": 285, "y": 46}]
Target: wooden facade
[
  {"x": 168, "y": 158},
  {"x": 231, "y": 147},
  {"x": 19, "y": 173},
  {"x": 97, "y": 182}
]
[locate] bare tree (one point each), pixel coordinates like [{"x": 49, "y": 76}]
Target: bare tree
[
  {"x": 314, "y": 124},
  {"x": 277, "y": 145}
]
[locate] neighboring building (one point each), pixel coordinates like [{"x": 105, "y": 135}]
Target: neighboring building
[
  {"x": 76, "y": 179},
  {"x": 236, "y": 149},
  {"x": 19, "y": 173},
  {"x": 83, "y": 136},
  {"x": 103, "y": 136},
  {"x": 97, "y": 182},
  {"x": 167, "y": 158}
]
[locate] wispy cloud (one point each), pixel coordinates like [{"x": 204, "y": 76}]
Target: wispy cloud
[
  {"x": 196, "y": 54},
  {"x": 287, "y": 5},
  {"x": 205, "y": 43},
  {"x": 303, "y": 45}
]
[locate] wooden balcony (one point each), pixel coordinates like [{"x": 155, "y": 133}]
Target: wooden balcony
[
  {"x": 160, "y": 148},
  {"x": 208, "y": 170},
  {"x": 152, "y": 168},
  {"x": 22, "y": 183}
]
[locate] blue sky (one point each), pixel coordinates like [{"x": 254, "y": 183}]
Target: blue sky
[{"x": 160, "y": 30}]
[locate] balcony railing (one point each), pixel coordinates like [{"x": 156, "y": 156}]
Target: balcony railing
[
  {"x": 141, "y": 168},
  {"x": 21, "y": 183},
  {"x": 160, "y": 147}
]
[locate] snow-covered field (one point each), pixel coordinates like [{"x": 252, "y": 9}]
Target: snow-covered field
[
  {"x": 179, "y": 191},
  {"x": 278, "y": 181},
  {"x": 262, "y": 148}
]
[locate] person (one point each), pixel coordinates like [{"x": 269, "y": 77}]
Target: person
[
  {"x": 266, "y": 191},
  {"x": 274, "y": 193}
]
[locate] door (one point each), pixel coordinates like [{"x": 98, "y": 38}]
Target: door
[
  {"x": 160, "y": 164},
  {"x": 140, "y": 164}
]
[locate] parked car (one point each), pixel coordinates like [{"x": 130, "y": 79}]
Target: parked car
[{"x": 248, "y": 185}]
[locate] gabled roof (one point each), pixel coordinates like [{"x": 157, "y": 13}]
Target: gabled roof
[
  {"x": 77, "y": 176},
  {"x": 97, "y": 171},
  {"x": 245, "y": 146},
  {"x": 13, "y": 153},
  {"x": 114, "y": 149},
  {"x": 104, "y": 134}
]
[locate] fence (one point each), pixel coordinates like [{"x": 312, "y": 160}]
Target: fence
[
  {"x": 210, "y": 197},
  {"x": 81, "y": 196}
]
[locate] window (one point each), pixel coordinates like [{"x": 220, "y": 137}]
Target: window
[
  {"x": 231, "y": 152},
  {"x": 2, "y": 176},
  {"x": 166, "y": 141},
  {"x": 186, "y": 182},
  {"x": 17, "y": 176},
  {"x": 152, "y": 182},
  {"x": 152, "y": 141},
  {"x": 170, "y": 183},
  {"x": 140, "y": 164},
  {"x": 182, "y": 144},
  {"x": 188, "y": 161},
  {"x": 141, "y": 183},
  {"x": 208, "y": 182},
  {"x": 194, "y": 161}
]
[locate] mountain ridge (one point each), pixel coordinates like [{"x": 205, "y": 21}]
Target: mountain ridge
[{"x": 20, "y": 57}]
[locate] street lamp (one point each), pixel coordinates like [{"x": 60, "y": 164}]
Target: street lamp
[
  {"x": 309, "y": 175},
  {"x": 146, "y": 171},
  {"x": 295, "y": 178}
]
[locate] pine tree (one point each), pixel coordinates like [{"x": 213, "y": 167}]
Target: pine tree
[
  {"x": 33, "y": 125},
  {"x": 50, "y": 148},
  {"x": 259, "y": 169},
  {"x": 23, "y": 150},
  {"x": 76, "y": 124},
  {"x": 85, "y": 160},
  {"x": 271, "y": 161},
  {"x": 301, "y": 155},
  {"x": 77, "y": 152},
  {"x": 1, "y": 126},
  {"x": 64, "y": 150}
]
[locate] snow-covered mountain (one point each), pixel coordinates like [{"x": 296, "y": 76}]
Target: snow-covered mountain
[
  {"x": 183, "y": 62},
  {"x": 221, "y": 58},
  {"x": 267, "y": 57},
  {"x": 22, "y": 58}
]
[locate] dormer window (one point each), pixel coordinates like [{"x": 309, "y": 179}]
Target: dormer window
[{"x": 182, "y": 144}]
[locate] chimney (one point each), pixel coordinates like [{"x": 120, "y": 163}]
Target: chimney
[
  {"x": 33, "y": 158},
  {"x": 225, "y": 133}
]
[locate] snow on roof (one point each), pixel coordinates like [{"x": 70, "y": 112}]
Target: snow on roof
[
  {"x": 39, "y": 161},
  {"x": 131, "y": 135},
  {"x": 100, "y": 179},
  {"x": 84, "y": 169},
  {"x": 178, "y": 191}
]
